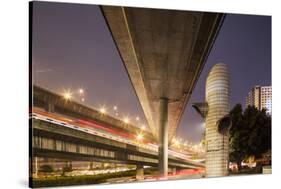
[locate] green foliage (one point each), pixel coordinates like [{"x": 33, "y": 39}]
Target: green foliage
[
  {"x": 78, "y": 180},
  {"x": 250, "y": 134},
  {"x": 67, "y": 169},
  {"x": 46, "y": 169}
]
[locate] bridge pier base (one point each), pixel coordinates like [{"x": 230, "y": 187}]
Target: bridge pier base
[
  {"x": 140, "y": 172},
  {"x": 163, "y": 137},
  {"x": 69, "y": 164},
  {"x": 35, "y": 166},
  {"x": 91, "y": 165},
  {"x": 174, "y": 171}
]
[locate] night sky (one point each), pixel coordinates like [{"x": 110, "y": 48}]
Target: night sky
[{"x": 73, "y": 48}]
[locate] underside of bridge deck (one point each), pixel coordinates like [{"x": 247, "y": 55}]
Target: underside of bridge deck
[{"x": 163, "y": 52}]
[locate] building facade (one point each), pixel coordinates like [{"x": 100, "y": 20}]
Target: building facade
[
  {"x": 261, "y": 98},
  {"x": 215, "y": 111},
  {"x": 217, "y": 98}
]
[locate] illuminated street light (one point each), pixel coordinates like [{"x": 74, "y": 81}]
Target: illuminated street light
[
  {"x": 203, "y": 125},
  {"x": 67, "y": 95},
  {"x": 143, "y": 127},
  {"x": 83, "y": 99},
  {"x": 115, "y": 108},
  {"x": 137, "y": 118},
  {"x": 81, "y": 91},
  {"x": 176, "y": 142},
  {"x": 102, "y": 110},
  {"x": 139, "y": 137},
  {"x": 126, "y": 120}
]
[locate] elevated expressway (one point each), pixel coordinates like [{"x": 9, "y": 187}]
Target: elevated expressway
[
  {"x": 164, "y": 52},
  {"x": 68, "y": 130}
]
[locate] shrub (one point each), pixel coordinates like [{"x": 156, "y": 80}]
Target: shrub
[{"x": 46, "y": 169}]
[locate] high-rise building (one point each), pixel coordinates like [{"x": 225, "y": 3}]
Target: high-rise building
[{"x": 260, "y": 97}]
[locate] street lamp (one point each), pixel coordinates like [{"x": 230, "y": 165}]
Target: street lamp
[
  {"x": 126, "y": 120},
  {"x": 176, "y": 142},
  {"x": 139, "y": 137},
  {"x": 67, "y": 95},
  {"x": 102, "y": 110},
  {"x": 81, "y": 91}
]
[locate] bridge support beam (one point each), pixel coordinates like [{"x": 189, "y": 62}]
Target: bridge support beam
[
  {"x": 163, "y": 137},
  {"x": 140, "y": 172}
]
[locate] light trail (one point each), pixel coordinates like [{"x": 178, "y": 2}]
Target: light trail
[{"x": 101, "y": 130}]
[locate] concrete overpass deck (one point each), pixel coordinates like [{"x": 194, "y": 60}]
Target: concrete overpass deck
[{"x": 164, "y": 52}]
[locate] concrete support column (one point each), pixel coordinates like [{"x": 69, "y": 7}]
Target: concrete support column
[
  {"x": 50, "y": 107},
  {"x": 35, "y": 168},
  {"x": 217, "y": 97},
  {"x": 174, "y": 171},
  {"x": 163, "y": 137},
  {"x": 140, "y": 172},
  {"x": 91, "y": 165},
  {"x": 69, "y": 163}
]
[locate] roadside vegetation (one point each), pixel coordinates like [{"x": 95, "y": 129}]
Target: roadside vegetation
[
  {"x": 83, "y": 179},
  {"x": 250, "y": 138}
]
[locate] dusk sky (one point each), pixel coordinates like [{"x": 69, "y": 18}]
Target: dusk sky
[{"x": 72, "y": 48}]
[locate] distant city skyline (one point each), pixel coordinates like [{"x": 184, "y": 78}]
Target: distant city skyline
[
  {"x": 260, "y": 97},
  {"x": 72, "y": 49}
]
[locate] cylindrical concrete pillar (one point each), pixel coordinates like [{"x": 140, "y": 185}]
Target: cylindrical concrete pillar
[
  {"x": 140, "y": 172},
  {"x": 163, "y": 137},
  {"x": 69, "y": 164},
  {"x": 91, "y": 165},
  {"x": 217, "y": 97},
  {"x": 174, "y": 171},
  {"x": 50, "y": 106},
  {"x": 35, "y": 168}
]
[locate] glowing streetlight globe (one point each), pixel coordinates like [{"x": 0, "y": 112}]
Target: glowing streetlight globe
[
  {"x": 67, "y": 95},
  {"x": 81, "y": 91},
  {"x": 126, "y": 120},
  {"x": 139, "y": 137},
  {"x": 102, "y": 110},
  {"x": 176, "y": 142}
]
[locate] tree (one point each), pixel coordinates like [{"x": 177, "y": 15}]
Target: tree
[
  {"x": 260, "y": 132},
  {"x": 250, "y": 134},
  {"x": 237, "y": 136},
  {"x": 66, "y": 168},
  {"x": 46, "y": 169}
]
